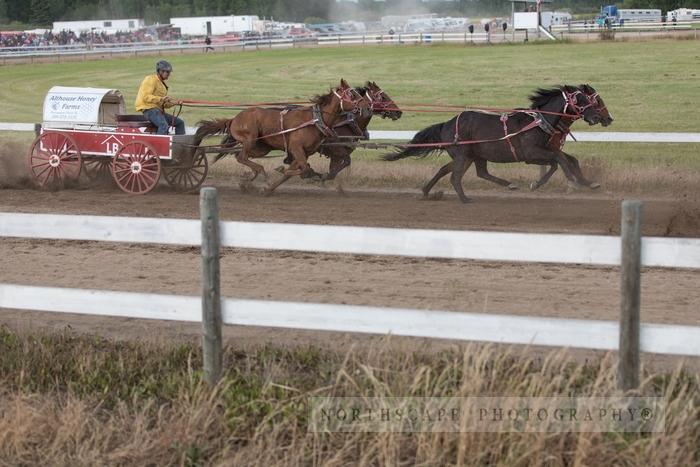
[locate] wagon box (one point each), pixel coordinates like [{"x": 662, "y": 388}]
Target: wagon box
[{"x": 85, "y": 130}]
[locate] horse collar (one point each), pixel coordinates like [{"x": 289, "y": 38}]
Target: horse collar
[
  {"x": 544, "y": 124},
  {"x": 320, "y": 124}
]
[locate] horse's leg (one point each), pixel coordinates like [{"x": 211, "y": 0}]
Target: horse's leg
[
  {"x": 483, "y": 172},
  {"x": 444, "y": 170},
  {"x": 460, "y": 165},
  {"x": 272, "y": 187},
  {"x": 303, "y": 169},
  {"x": 579, "y": 174},
  {"x": 267, "y": 191},
  {"x": 545, "y": 178},
  {"x": 338, "y": 164},
  {"x": 243, "y": 158},
  {"x": 566, "y": 166}
]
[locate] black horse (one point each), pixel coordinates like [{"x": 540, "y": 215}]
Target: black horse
[{"x": 534, "y": 136}]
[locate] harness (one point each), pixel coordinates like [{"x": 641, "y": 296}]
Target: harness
[{"x": 536, "y": 120}]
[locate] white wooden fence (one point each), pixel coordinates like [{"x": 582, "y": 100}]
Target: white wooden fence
[
  {"x": 465, "y": 245},
  {"x": 581, "y": 136}
]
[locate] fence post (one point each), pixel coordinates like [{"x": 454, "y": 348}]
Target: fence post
[
  {"x": 37, "y": 129},
  {"x": 211, "y": 296},
  {"x": 630, "y": 288}
]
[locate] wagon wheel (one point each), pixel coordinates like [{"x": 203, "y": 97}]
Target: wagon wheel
[
  {"x": 97, "y": 169},
  {"x": 187, "y": 176},
  {"x": 54, "y": 159},
  {"x": 136, "y": 168}
]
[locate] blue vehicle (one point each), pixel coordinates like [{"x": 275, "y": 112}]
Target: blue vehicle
[{"x": 609, "y": 13}]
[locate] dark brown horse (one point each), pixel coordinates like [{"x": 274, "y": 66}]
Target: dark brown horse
[
  {"x": 354, "y": 127},
  {"x": 298, "y": 131},
  {"x": 533, "y": 136}
]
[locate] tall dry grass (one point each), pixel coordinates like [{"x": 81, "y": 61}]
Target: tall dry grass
[{"x": 80, "y": 400}]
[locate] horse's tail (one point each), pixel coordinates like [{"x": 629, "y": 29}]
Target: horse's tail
[
  {"x": 226, "y": 142},
  {"x": 216, "y": 126},
  {"x": 432, "y": 134}
]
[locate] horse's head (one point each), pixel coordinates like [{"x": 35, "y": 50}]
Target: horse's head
[
  {"x": 350, "y": 100},
  {"x": 594, "y": 98},
  {"x": 381, "y": 103},
  {"x": 579, "y": 105}
]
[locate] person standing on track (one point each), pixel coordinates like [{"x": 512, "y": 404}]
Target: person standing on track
[{"x": 152, "y": 99}]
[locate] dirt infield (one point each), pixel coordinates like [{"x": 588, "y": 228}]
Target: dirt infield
[{"x": 669, "y": 296}]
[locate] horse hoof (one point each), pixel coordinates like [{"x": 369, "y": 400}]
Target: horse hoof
[
  {"x": 534, "y": 186},
  {"x": 594, "y": 186},
  {"x": 245, "y": 186},
  {"x": 573, "y": 186},
  {"x": 437, "y": 196},
  {"x": 466, "y": 200},
  {"x": 266, "y": 192},
  {"x": 280, "y": 169},
  {"x": 512, "y": 186}
]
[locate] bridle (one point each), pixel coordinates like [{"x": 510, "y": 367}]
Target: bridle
[
  {"x": 601, "y": 108},
  {"x": 351, "y": 96},
  {"x": 377, "y": 101},
  {"x": 571, "y": 102}
]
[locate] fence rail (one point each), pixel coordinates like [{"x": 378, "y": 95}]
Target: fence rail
[
  {"x": 245, "y": 44},
  {"x": 526, "y": 330},
  {"x": 491, "y": 246},
  {"x": 449, "y": 244}
]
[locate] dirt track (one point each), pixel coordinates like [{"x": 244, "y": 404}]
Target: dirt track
[{"x": 669, "y": 296}]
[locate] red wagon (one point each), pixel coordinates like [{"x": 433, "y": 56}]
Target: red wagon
[{"x": 85, "y": 131}]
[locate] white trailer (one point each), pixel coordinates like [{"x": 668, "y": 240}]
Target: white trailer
[
  {"x": 683, "y": 14},
  {"x": 109, "y": 26},
  {"x": 215, "y": 25},
  {"x": 555, "y": 18},
  {"x": 638, "y": 16}
]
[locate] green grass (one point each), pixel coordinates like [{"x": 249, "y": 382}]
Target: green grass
[{"x": 648, "y": 86}]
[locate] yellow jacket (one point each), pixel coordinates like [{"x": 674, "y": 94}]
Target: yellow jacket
[{"x": 151, "y": 94}]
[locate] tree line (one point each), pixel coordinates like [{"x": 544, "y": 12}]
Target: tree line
[{"x": 44, "y": 12}]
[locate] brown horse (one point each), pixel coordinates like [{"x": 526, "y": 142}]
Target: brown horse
[
  {"x": 353, "y": 128},
  {"x": 299, "y": 131}
]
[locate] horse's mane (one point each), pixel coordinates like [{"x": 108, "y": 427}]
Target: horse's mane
[
  {"x": 324, "y": 99},
  {"x": 541, "y": 96}
]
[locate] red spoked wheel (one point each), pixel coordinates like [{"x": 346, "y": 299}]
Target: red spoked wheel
[
  {"x": 187, "y": 176},
  {"x": 97, "y": 169},
  {"x": 54, "y": 160},
  {"x": 136, "y": 168}
]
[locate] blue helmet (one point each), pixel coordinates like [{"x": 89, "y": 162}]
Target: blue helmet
[{"x": 163, "y": 65}]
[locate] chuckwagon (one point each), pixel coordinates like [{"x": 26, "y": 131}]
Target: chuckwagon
[{"x": 86, "y": 131}]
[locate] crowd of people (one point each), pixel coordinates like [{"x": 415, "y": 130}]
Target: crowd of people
[{"x": 49, "y": 39}]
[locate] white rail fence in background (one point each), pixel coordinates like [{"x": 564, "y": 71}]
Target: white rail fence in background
[
  {"x": 9, "y": 54},
  {"x": 584, "y": 136},
  {"x": 464, "y": 245}
]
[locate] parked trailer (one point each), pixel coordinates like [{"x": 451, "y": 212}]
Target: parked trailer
[
  {"x": 86, "y": 131},
  {"x": 638, "y": 16}
]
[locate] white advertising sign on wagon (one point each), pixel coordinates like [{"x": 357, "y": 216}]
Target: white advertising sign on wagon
[{"x": 67, "y": 106}]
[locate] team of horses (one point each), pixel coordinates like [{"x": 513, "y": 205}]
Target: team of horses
[{"x": 334, "y": 122}]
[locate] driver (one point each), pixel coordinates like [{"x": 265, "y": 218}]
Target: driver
[{"x": 152, "y": 99}]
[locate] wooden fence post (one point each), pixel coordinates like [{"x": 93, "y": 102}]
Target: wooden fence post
[
  {"x": 211, "y": 295},
  {"x": 630, "y": 288}
]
